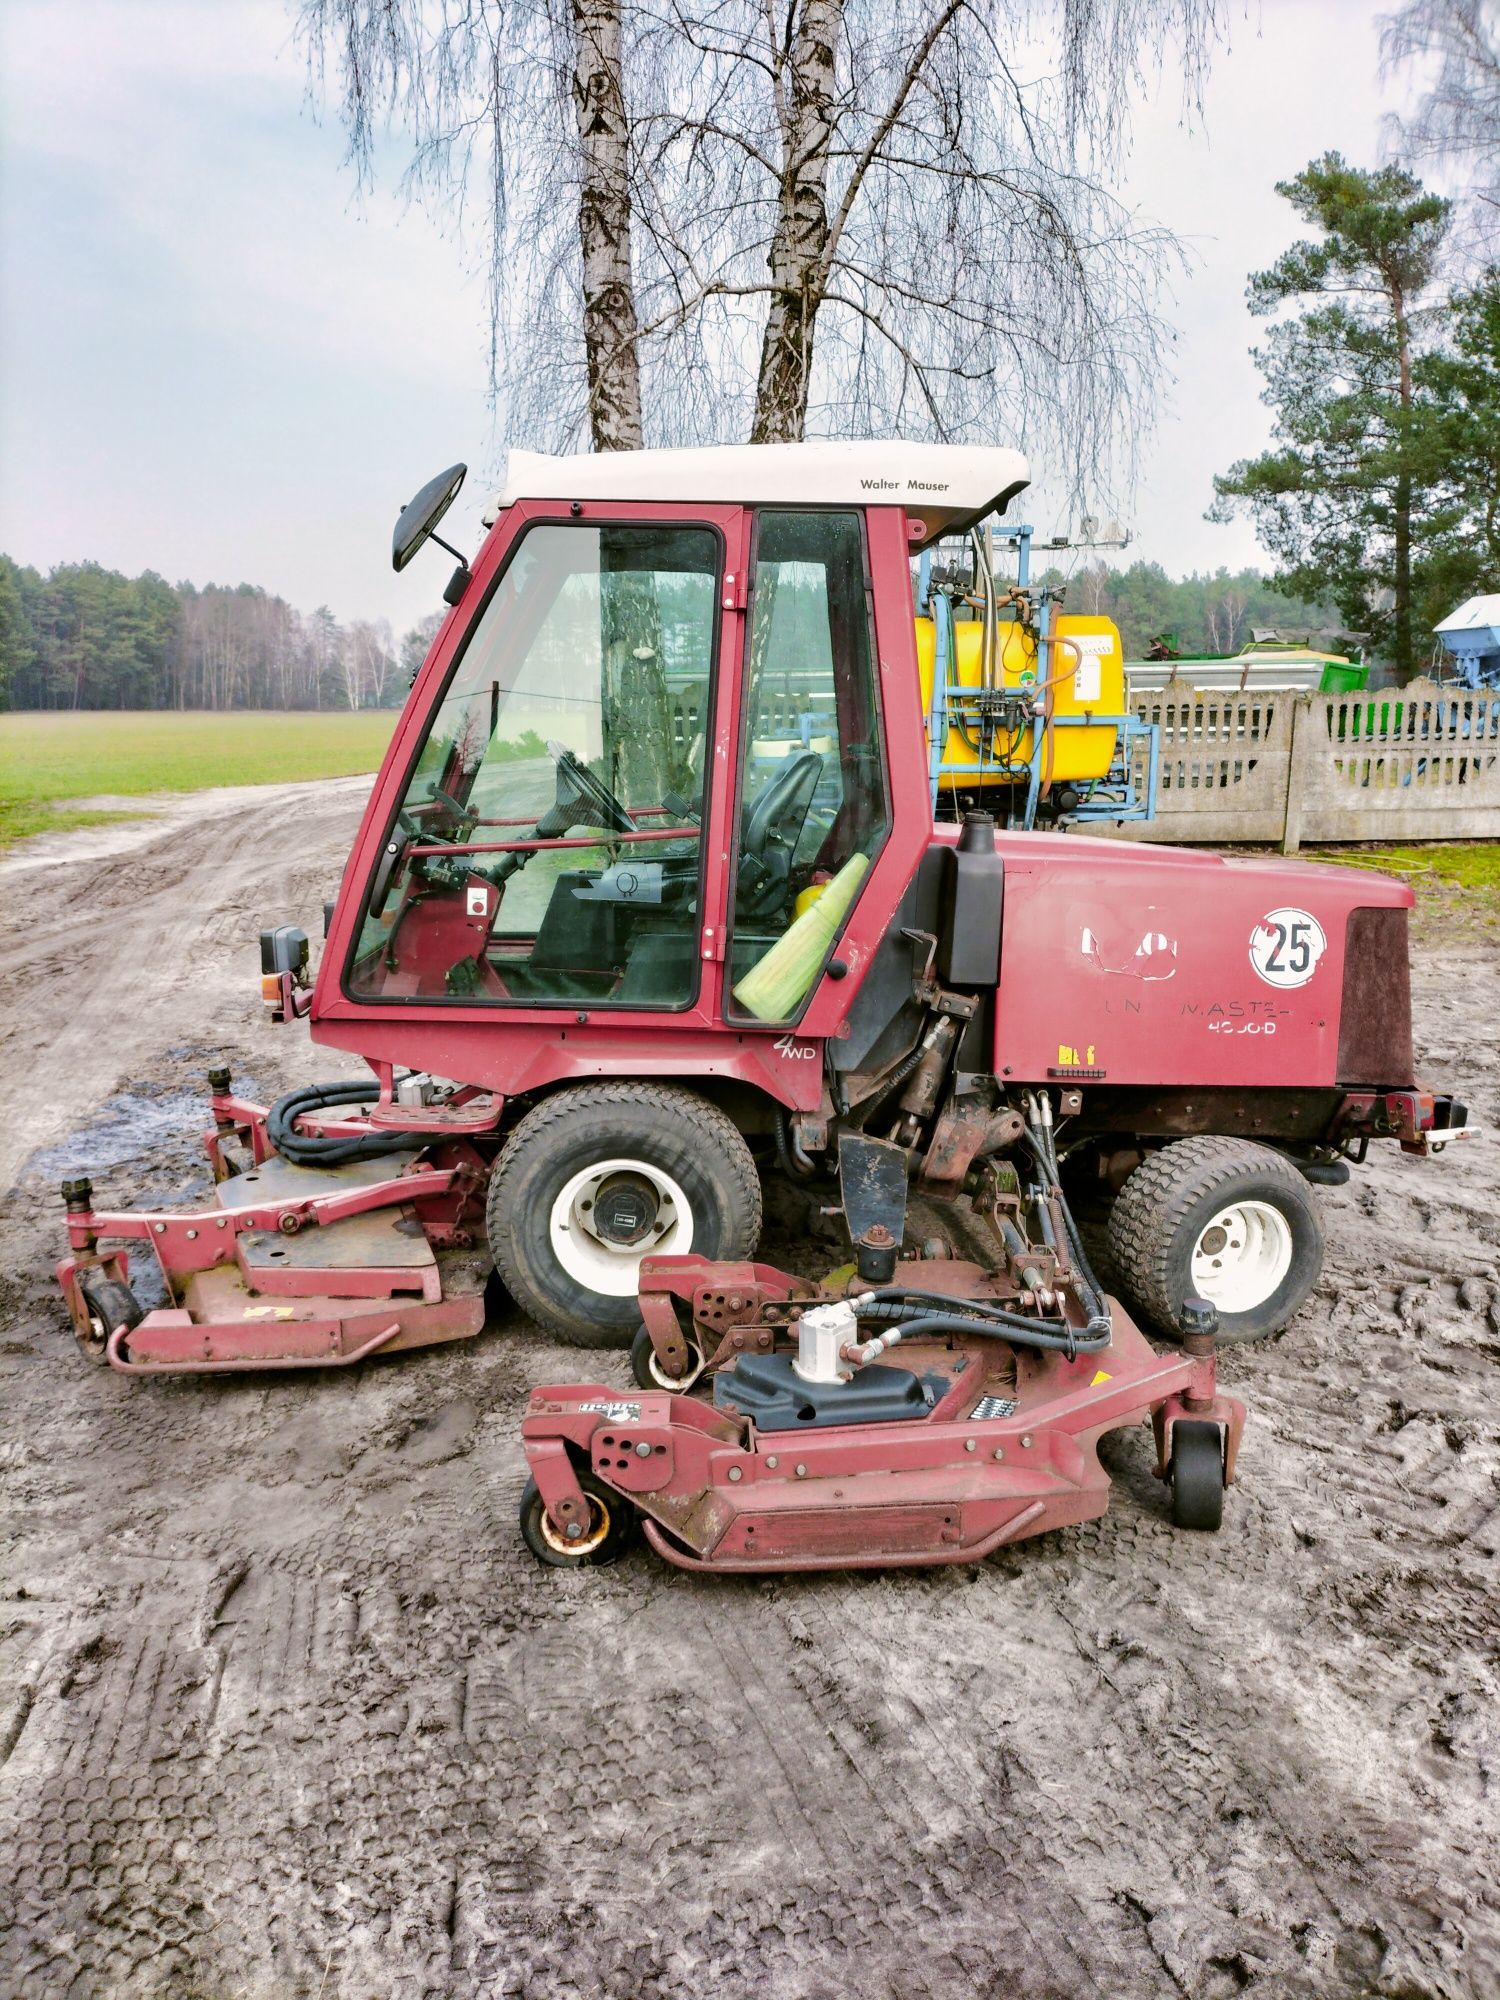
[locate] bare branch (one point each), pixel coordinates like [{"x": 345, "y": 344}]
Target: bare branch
[{"x": 882, "y": 132}]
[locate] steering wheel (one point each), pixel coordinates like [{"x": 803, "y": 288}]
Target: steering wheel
[
  {"x": 772, "y": 829},
  {"x": 577, "y": 787}
]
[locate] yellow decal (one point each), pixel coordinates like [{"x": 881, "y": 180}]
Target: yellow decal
[
  {"x": 1069, "y": 1057},
  {"x": 1102, "y": 1376}
]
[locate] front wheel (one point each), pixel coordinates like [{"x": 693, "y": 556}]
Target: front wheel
[
  {"x": 598, "y": 1177},
  {"x": 1196, "y": 1474},
  {"x": 1220, "y": 1219},
  {"x": 110, "y": 1302},
  {"x": 610, "y": 1530},
  {"x": 649, "y": 1373}
]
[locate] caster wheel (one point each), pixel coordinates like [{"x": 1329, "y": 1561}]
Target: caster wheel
[
  {"x": 111, "y": 1303},
  {"x": 649, "y": 1373},
  {"x": 610, "y": 1530},
  {"x": 1197, "y": 1475}
]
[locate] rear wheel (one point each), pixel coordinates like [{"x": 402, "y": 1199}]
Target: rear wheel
[
  {"x": 596, "y": 1178},
  {"x": 1196, "y": 1473},
  {"x": 609, "y": 1532},
  {"x": 1219, "y": 1219}
]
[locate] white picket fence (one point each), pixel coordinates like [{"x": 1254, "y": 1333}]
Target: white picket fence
[{"x": 1414, "y": 763}]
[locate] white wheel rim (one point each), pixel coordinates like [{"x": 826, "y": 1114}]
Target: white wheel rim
[
  {"x": 1242, "y": 1256},
  {"x": 695, "y": 1367},
  {"x": 592, "y": 1259}
]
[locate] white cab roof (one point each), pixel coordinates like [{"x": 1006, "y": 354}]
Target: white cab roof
[
  {"x": 945, "y": 486},
  {"x": 1475, "y": 616}
]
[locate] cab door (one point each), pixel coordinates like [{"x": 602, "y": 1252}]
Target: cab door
[
  {"x": 551, "y": 822},
  {"x": 811, "y": 804}
]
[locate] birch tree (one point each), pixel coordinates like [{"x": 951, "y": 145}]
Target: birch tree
[
  {"x": 717, "y": 219},
  {"x": 611, "y": 363},
  {"x": 856, "y": 216},
  {"x": 516, "y": 117},
  {"x": 1454, "y": 47}
]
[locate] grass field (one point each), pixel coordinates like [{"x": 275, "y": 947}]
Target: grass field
[
  {"x": 1456, "y": 882},
  {"x": 48, "y": 760}
]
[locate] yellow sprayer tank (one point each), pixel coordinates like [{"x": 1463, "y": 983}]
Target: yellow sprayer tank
[{"x": 1087, "y": 681}]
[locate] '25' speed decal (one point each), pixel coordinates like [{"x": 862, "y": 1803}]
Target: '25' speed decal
[{"x": 1285, "y": 947}]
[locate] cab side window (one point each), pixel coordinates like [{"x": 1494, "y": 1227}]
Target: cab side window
[
  {"x": 812, "y": 803},
  {"x": 547, "y": 849}
]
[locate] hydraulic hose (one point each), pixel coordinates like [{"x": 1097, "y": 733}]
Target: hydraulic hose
[
  {"x": 1014, "y": 1330},
  {"x": 898, "y": 1075},
  {"x": 890, "y": 1301},
  {"x": 317, "y": 1149},
  {"x": 916, "y": 1312},
  {"x": 910, "y": 1311},
  {"x": 1043, "y": 1146},
  {"x": 891, "y": 1082}
]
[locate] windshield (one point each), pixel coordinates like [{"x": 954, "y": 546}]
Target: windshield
[{"x": 546, "y": 846}]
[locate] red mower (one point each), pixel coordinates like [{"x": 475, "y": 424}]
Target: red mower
[
  {"x": 973, "y": 1443},
  {"x": 711, "y": 841}
]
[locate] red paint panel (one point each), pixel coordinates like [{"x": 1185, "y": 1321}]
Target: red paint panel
[{"x": 1137, "y": 963}]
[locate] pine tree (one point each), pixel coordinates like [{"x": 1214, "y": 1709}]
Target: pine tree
[
  {"x": 1462, "y": 380},
  {"x": 1341, "y": 497}
]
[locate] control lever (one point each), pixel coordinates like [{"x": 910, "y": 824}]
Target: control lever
[{"x": 921, "y": 939}]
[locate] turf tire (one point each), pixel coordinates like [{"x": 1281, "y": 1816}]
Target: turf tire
[
  {"x": 1170, "y": 1199},
  {"x": 675, "y": 1130}
]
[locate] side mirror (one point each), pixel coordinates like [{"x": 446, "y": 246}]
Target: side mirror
[
  {"x": 420, "y": 516},
  {"x": 283, "y": 972},
  {"x": 284, "y": 950}
]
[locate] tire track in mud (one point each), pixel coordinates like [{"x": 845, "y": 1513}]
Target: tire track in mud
[
  {"x": 291, "y": 1713},
  {"x": 178, "y": 913}
]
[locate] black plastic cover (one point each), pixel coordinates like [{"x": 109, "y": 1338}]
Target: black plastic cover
[
  {"x": 872, "y": 1181},
  {"x": 283, "y": 949},
  {"x": 767, "y": 1388},
  {"x": 973, "y": 907}
]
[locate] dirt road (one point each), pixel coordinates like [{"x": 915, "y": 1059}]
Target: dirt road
[{"x": 286, "y": 1710}]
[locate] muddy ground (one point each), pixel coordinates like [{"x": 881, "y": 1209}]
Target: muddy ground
[{"x": 286, "y": 1709}]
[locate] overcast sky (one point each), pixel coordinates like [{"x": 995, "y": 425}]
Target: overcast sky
[{"x": 217, "y": 362}]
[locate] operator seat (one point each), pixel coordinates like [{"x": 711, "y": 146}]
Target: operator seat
[{"x": 768, "y": 844}]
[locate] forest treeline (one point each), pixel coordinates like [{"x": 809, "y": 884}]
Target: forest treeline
[
  {"x": 1198, "y": 616},
  {"x": 83, "y": 636}
]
